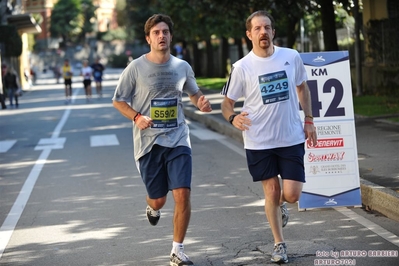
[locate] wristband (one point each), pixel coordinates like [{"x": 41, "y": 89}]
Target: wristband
[
  {"x": 309, "y": 116},
  {"x": 308, "y": 123},
  {"x": 136, "y": 116},
  {"x": 231, "y": 118}
]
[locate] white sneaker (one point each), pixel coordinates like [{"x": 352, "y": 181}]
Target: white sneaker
[
  {"x": 153, "y": 215},
  {"x": 178, "y": 258}
]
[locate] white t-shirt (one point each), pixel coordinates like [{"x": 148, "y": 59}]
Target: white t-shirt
[
  {"x": 87, "y": 72},
  {"x": 268, "y": 86}
]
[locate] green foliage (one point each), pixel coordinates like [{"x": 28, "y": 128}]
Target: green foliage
[
  {"x": 383, "y": 40},
  {"x": 87, "y": 17},
  {"x": 38, "y": 18},
  {"x": 137, "y": 12},
  {"x": 211, "y": 83},
  {"x": 118, "y": 61},
  {"x": 70, "y": 19},
  {"x": 11, "y": 39},
  {"x": 369, "y": 105},
  {"x": 121, "y": 14},
  {"x": 117, "y": 34}
]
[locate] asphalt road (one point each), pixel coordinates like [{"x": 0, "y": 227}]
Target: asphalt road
[{"x": 70, "y": 194}]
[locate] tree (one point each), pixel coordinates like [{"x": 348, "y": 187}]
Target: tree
[
  {"x": 11, "y": 40},
  {"x": 137, "y": 12},
  {"x": 67, "y": 20},
  {"x": 86, "y": 18},
  {"x": 328, "y": 25}
]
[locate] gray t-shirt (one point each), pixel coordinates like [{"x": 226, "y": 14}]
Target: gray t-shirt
[{"x": 156, "y": 90}]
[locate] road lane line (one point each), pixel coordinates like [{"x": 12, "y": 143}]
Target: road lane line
[{"x": 13, "y": 216}]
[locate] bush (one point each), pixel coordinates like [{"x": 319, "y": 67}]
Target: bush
[
  {"x": 118, "y": 61},
  {"x": 11, "y": 39}
]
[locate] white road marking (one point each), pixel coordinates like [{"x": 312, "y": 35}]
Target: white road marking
[
  {"x": 103, "y": 140},
  {"x": 53, "y": 143},
  {"x": 206, "y": 134},
  {"x": 5, "y": 145},
  {"x": 390, "y": 237},
  {"x": 13, "y": 216}
]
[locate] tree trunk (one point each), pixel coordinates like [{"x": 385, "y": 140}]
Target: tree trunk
[
  {"x": 328, "y": 25},
  {"x": 291, "y": 31},
  {"x": 197, "y": 60},
  {"x": 209, "y": 59},
  {"x": 358, "y": 59},
  {"x": 225, "y": 57},
  {"x": 240, "y": 49}
]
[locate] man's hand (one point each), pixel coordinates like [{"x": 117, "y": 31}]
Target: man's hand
[
  {"x": 143, "y": 122},
  {"x": 203, "y": 104},
  {"x": 310, "y": 134},
  {"x": 242, "y": 122}
]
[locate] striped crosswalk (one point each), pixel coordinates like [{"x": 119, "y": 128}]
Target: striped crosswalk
[{"x": 102, "y": 140}]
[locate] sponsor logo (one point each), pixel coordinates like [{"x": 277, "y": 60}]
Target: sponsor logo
[
  {"x": 328, "y": 157},
  {"x": 329, "y": 130},
  {"x": 326, "y": 143},
  {"x": 328, "y": 169},
  {"x": 319, "y": 59},
  {"x": 330, "y": 202},
  {"x": 314, "y": 169}
]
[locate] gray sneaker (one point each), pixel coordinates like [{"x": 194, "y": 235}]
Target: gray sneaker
[
  {"x": 153, "y": 215},
  {"x": 279, "y": 254},
  {"x": 284, "y": 212}
]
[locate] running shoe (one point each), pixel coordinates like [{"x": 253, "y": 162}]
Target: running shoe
[
  {"x": 284, "y": 212},
  {"x": 180, "y": 259},
  {"x": 153, "y": 215},
  {"x": 279, "y": 254}
]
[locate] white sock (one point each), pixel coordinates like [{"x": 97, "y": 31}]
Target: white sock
[{"x": 176, "y": 247}]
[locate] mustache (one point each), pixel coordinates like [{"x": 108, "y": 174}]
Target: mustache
[{"x": 264, "y": 37}]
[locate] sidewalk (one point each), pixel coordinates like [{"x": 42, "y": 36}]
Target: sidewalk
[{"x": 378, "y": 156}]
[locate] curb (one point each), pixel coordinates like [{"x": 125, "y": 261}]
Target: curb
[
  {"x": 381, "y": 199},
  {"x": 374, "y": 197}
]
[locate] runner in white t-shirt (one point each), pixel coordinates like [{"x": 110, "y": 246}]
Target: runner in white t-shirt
[
  {"x": 272, "y": 81},
  {"x": 86, "y": 73}
]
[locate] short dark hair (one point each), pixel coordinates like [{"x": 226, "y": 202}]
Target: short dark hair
[
  {"x": 260, "y": 13},
  {"x": 154, "y": 20}
]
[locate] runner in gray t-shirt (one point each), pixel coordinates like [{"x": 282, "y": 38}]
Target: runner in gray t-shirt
[{"x": 149, "y": 92}]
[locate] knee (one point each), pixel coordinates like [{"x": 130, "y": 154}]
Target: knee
[
  {"x": 293, "y": 198},
  {"x": 181, "y": 195},
  {"x": 157, "y": 204}
]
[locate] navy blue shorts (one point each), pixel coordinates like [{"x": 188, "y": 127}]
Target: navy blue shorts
[
  {"x": 286, "y": 162},
  {"x": 164, "y": 169}
]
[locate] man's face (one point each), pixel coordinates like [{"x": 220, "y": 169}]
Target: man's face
[
  {"x": 159, "y": 38},
  {"x": 261, "y": 33}
]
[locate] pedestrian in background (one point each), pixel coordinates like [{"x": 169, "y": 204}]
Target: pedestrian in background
[
  {"x": 11, "y": 85},
  {"x": 67, "y": 74},
  {"x": 86, "y": 73},
  {"x": 2, "y": 88},
  {"x": 98, "y": 70},
  {"x": 149, "y": 93},
  {"x": 272, "y": 80}
]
